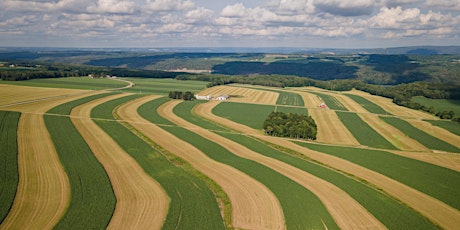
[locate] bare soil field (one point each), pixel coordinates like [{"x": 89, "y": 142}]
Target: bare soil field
[
  {"x": 12, "y": 94},
  {"x": 340, "y": 205},
  {"x": 141, "y": 201},
  {"x": 436, "y": 131},
  {"x": 330, "y": 128},
  {"x": 445, "y": 216},
  {"x": 392, "y": 134},
  {"x": 254, "y": 206},
  {"x": 388, "y": 105},
  {"x": 245, "y": 95}
]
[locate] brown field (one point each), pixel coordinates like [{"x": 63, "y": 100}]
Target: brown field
[
  {"x": 445, "y": 216},
  {"x": 392, "y": 134},
  {"x": 446, "y": 160},
  {"x": 330, "y": 128},
  {"x": 436, "y": 132},
  {"x": 244, "y": 95},
  {"x": 141, "y": 201},
  {"x": 254, "y": 205},
  {"x": 349, "y": 103},
  {"x": 12, "y": 94},
  {"x": 310, "y": 100},
  {"x": 340, "y": 205}
]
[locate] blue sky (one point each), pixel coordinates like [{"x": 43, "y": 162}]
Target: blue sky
[{"x": 229, "y": 23}]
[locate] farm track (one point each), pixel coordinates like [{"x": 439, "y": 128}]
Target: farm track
[
  {"x": 141, "y": 201},
  {"x": 445, "y": 216},
  {"x": 254, "y": 206},
  {"x": 347, "y": 213}
]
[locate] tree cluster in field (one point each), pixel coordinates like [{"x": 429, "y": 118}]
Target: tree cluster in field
[
  {"x": 290, "y": 125},
  {"x": 187, "y": 96}
]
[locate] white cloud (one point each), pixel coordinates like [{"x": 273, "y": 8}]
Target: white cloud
[
  {"x": 444, "y": 4},
  {"x": 346, "y": 7},
  {"x": 112, "y": 6},
  {"x": 169, "y": 5}
]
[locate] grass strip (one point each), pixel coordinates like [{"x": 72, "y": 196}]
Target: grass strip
[
  {"x": 368, "y": 105},
  {"x": 66, "y": 108},
  {"x": 330, "y": 101},
  {"x": 288, "y": 109},
  {"x": 293, "y": 197},
  {"x": 9, "y": 175},
  {"x": 436, "y": 181},
  {"x": 92, "y": 201},
  {"x": 288, "y": 98},
  {"x": 420, "y": 136},
  {"x": 453, "y": 127},
  {"x": 193, "y": 205},
  {"x": 390, "y": 212},
  {"x": 363, "y": 132},
  {"x": 251, "y": 115}
]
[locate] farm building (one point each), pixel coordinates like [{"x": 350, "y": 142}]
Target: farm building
[
  {"x": 199, "y": 97},
  {"x": 323, "y": 106},
  {"x": 222, "y": 97}
]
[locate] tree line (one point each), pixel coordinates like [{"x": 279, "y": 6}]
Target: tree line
[
  {"x": 290, "y": 125},
  {"x": 187, "y": 96}
]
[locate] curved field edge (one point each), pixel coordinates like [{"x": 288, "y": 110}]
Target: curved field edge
[
  {"x": 192, "y": 204},
  {"x": 367, "y": 104},
  {"x": 92, "y": 201},
  {"x": 453, "y": 127},
  {"x": 390, "y": 212},
  {"x": 153, "y": 117},
  {"x": 293, "y": 197},
  {"x": 8, "y": 160}
]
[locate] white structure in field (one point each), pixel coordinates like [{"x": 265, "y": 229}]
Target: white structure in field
[
  {"x": 223, "y": 97},
  {"x": 207, "y": 98}
]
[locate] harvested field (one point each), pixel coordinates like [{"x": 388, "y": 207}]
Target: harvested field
[
  {"x": 141, "y": 203},
  {"x": 331, "y": 129},
  {"x": 349, "y": 103},
  {"x": 446, "y": 160},
  {"x": 367, "y": 104},
  {"x": 445, "y": 216},
  {"x": 437, "y": 132},
  {"x": 43, "y": 191},
  {"x": 397, "y": 138},
  {"x": 388, "y": 105},
  {"x": 310, "y": 100},
  {"x": 340, "y": 205},
  {"x": 254, "y": 206},
  {"x": 245, "y": 95}
]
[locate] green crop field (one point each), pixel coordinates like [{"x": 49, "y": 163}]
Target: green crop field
[
  {"x": 66, "y": 108},
  {"x": 285, "y": 189},
  {"x": 287, "y": 98},
  {"x": 288, "y": 109},
  {"x": 247, "y": 114},
  {"x": 453, "y": 127},
  {"x": 92, "y": 199},
  {"x": 9, "y": 178},
  {"x": 192, "y": 205},
  {"x": 363, "y": 132},
  {"x": 163, "y": 86},
  {"x": 392, "y": 213},
  {"x": 368, "y": 105},
  {"x": 422, "y": 137},
  {"x": 440, "y": 104},
  {"x": 433, "y": 180},
  {"x": 71, "y": 83},
  {"x": 330, "y": 101}
]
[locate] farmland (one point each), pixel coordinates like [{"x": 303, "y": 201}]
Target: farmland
[{"x": 70, "y": 151}]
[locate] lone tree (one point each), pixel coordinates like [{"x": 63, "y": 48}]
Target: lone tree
[{"x": 290, "y": 125}]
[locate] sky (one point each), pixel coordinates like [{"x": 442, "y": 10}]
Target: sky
[{"x": 229, "y": 23}]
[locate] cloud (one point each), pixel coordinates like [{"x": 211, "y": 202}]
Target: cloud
[
  {"x": 346, "y": 7},
  {"x": 444, "y": 4},
  {"x": 169, "y": 5},
  {"x": 112, "y": 6}
]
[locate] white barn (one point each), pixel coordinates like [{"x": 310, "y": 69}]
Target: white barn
[
  {"x": 223, "y": 97},
  {"x": 198, "y": 97}
]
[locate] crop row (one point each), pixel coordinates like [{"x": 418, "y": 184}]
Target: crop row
[{"x": 368, "y": 105}]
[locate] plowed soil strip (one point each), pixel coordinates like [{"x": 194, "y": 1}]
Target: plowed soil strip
[
  {"x": 445, "y": 216},
  {"x": 43, "y": 190},
  {"x": 436, "y": 131},
  {"x": 348, "y": 213},
  {"x": 141, "y": 202},
  {"x": 254, "y": 206},
  {"x": 393, "y": 135},
  {"x": 331, "y": 129}
]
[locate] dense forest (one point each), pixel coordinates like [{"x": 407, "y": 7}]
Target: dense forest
[{"x": 290, "y": 125}]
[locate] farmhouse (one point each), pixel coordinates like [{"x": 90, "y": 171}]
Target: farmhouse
[
  {"x": 199, "y": 97},
  {"x": 222, "y": 97}
]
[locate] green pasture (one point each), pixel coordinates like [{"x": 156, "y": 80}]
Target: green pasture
[
  {"x": 9, "y": 178},
  {"x": 163, "y": 86},
  {"x": 71, "y": 83},
  {"x": 330, "y": 101},
  {"x": 392, "y": 213},
  {"x": 288, "y": 98},
  {"x": 192, "y": 205},
  {"x": 368, "y": 105},
  {"x": 92, "y": 200},
  {"x": 438, "y": 182},
  {"x": 420, "y": 136},
  {"x": 251, "y": 115},
  {"x": 363, "y": 132},
  {"x": 288, "y": 109},
  {"x": 440, "y": 104},
  {"x": 292, "y": 196},
  {"x": 66, "y": 108},
  {"x": 453, "y": 127}
]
